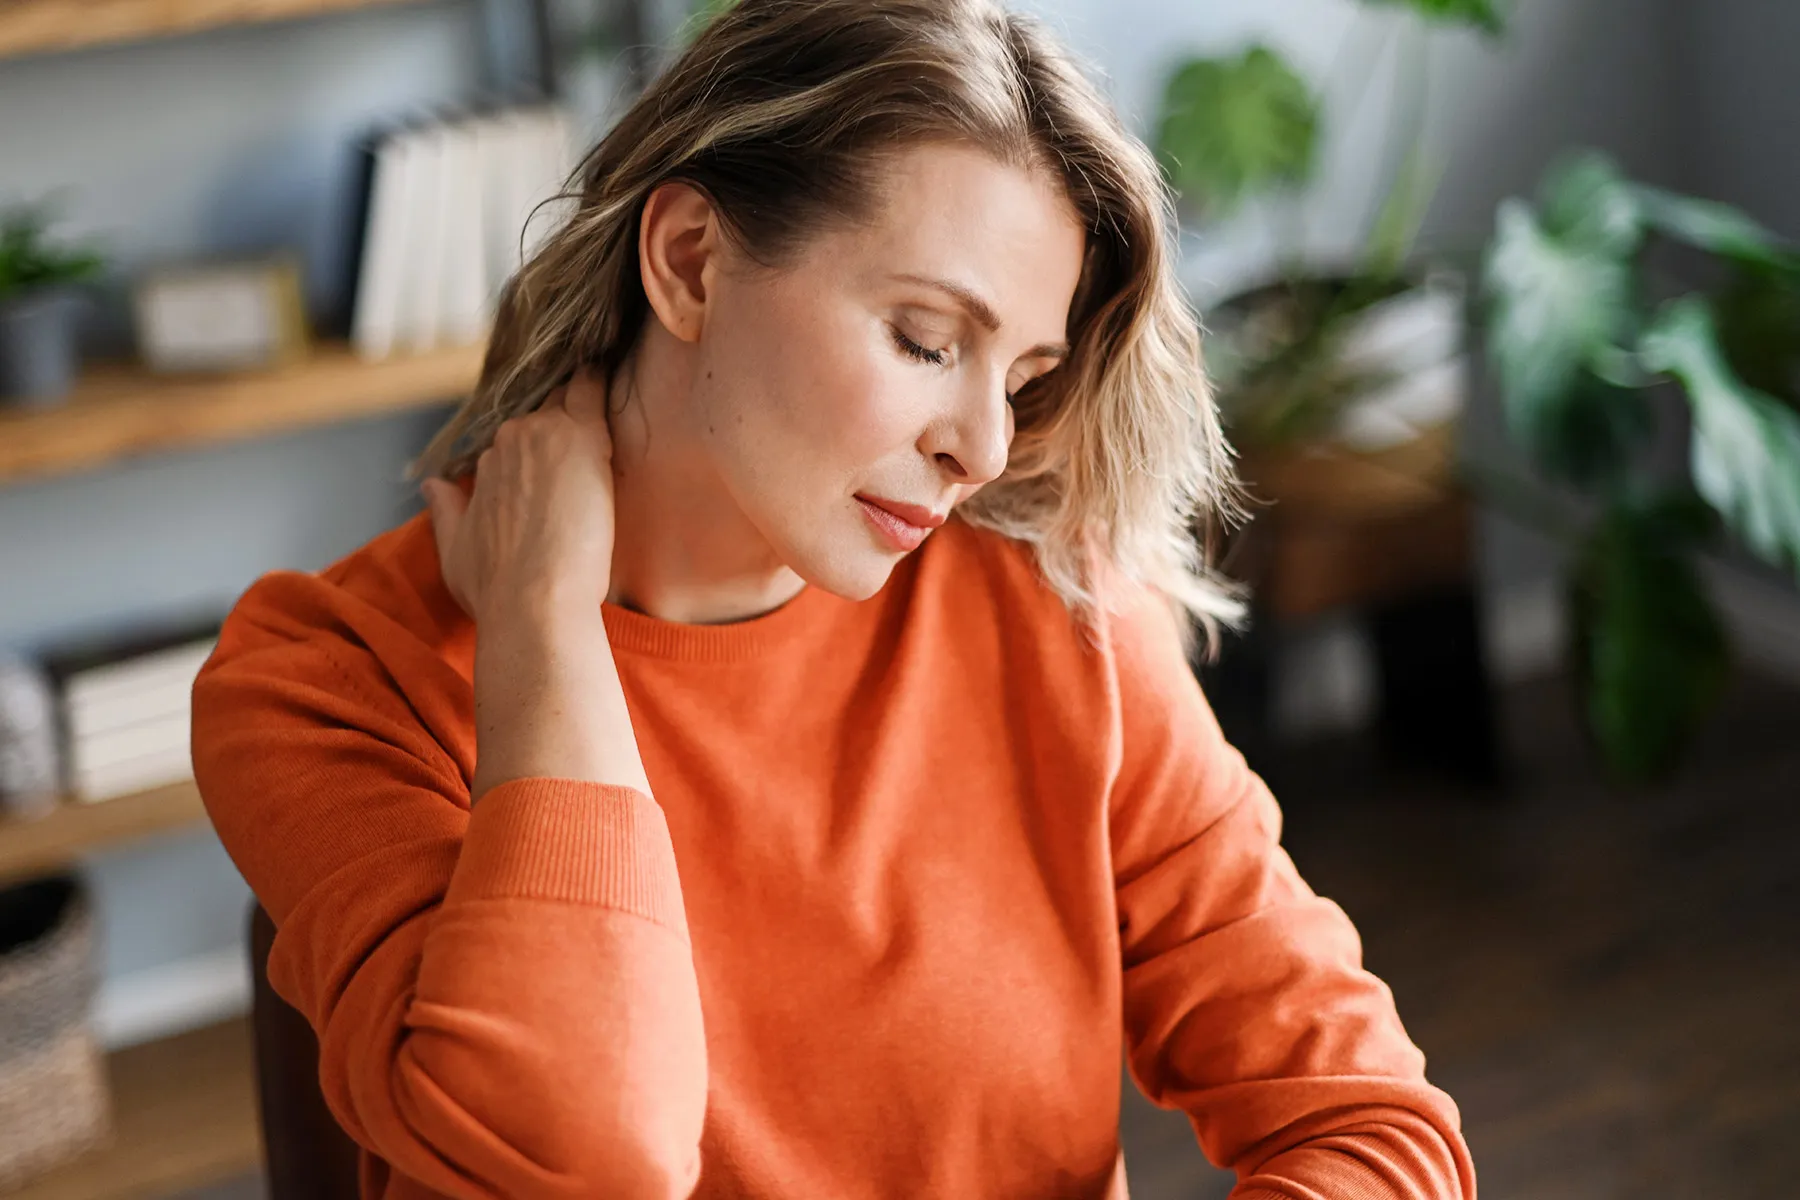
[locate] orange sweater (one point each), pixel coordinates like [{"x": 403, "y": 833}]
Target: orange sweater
[{"x": 913, "y": 869}]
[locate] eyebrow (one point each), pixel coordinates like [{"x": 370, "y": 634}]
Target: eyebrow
[{"x": 982, "y": 311}]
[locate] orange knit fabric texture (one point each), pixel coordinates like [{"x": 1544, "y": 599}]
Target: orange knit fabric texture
[{"x": 914, "y": 870}]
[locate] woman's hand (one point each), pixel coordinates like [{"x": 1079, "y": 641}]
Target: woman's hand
[
  {"x": 538, "y": 526},
  {"x": 528, "y": 554}
]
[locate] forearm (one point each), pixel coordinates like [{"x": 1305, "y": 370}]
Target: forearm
[
  {"x": 1392, "y": 1154},
  {"x": 548, "y": 701}
]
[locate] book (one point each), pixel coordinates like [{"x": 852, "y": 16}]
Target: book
[
  {"x": 424, "y": 243},
  {"x": 375, "y": 325},
  {"x": 464, "y": 304},
  {"x": 94, "y": 785},
  {"x": 152, "y": 735},
  {"x": 449, "y": 207},
  {"x": 118, "y": 694},
  {"x": 123, "y": 702}
]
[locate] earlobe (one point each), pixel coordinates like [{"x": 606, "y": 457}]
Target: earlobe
[{"x": 677, "y": 235}]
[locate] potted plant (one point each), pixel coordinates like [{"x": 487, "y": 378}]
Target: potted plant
[
  {"x": 38, "y": 306},
  {"x": 1582, "y": 332},
  {"x": 1337, "y": 378}
]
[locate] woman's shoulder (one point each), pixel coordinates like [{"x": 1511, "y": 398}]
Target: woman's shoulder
[
  {"x": 981, "y": 578},
  {"x": 966, "y": 562},
  {"x": 978, "y": 566},
  {"x": 384, "y": 602}
]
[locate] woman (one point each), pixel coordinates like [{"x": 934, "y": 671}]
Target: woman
[{"x": 771, "y": 767}]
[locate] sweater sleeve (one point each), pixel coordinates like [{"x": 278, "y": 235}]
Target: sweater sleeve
[
  {"x": 506, "y": 1001},
  {"x": 1246, "y": 1002}
]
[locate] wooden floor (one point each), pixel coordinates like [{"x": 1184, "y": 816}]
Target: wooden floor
[{"x": 1606, "y": 981}]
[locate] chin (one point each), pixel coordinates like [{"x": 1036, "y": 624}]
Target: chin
[
  {"x": 846, "y": 565},
  {"x": 854, "y": 576}
]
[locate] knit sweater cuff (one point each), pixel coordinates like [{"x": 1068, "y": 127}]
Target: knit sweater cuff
[{"x": 570, "y": 841}]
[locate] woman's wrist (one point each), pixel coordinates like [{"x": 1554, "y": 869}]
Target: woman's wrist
[
  {"x": 548, "y": 701},
  {"x": 548, "y": 608}
]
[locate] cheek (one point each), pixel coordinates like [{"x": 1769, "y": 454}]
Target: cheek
[{"x": 811, "y": 392}]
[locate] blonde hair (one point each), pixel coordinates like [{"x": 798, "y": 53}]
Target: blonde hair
[{"x": 782, "y": 112}]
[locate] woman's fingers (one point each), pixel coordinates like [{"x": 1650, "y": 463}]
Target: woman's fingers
[{"x": 447, "y": 504}]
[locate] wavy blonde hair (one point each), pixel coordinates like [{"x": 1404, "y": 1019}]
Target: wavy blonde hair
[{"x": 782, "y": 112}]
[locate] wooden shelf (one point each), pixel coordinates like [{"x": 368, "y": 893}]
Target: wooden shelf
[
  {"x": 44, "y": 26},
  {"x": 122, "y": 412},
  {"x": 184, "y": 1116},
  {"x": 34, "y": 847}
]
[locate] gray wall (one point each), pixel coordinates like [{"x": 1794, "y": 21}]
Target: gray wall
[{"x": 1737, "y": 105}]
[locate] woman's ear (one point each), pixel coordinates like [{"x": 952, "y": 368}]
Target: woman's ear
[{"x": 678, "y": 241}]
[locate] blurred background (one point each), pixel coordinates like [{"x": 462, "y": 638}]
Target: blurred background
[{"x": 1505, "y": 320}]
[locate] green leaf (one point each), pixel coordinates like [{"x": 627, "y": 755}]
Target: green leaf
[
  {"x": 1478, "y": 14},
  {"x": 1557, "y": 307},
  {"x": 1589, "y": 437},
  {"x": 1402, "y": 214},
  {"x": 1652, "y": 657},
  {"x": 1758, "y": 314},
  {"x": 1715, "y": 228},
  {"x": 1587, "y": 202},
  {"x": 1232, "y": 127},
  {"x": 27, "y": 259},
  {"x": 1745, "y": 457}
]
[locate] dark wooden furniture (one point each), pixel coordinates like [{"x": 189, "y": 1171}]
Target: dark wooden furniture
[
  {"x": 307, "y": 1154},
  {"x": 1389, "y": 537}
]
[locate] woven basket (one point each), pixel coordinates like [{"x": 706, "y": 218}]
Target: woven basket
[{"x": 54, "y": 1104}]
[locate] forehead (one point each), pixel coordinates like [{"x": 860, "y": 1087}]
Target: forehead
[{"x": 953, "y": 212}]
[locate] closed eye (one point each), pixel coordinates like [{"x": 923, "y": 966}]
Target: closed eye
[{"x": 936, "y": 358}]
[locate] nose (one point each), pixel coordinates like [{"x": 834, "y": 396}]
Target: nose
[{"x": 973, "y": 442}]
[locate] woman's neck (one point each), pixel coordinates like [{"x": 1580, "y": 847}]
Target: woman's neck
[{"x": 682, "y": 549}]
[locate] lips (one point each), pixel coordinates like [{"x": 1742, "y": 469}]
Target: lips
[
  {"x": 903, "y": 527},
  {"x": 912, "y": 514}
]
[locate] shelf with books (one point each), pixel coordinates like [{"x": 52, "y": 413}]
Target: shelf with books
[
  {"x": 47, "y": 26},
  {"x": 120, "y": 412},
  {"x": 184, "y": 1116},
  {"x": 35, "y": 845}
]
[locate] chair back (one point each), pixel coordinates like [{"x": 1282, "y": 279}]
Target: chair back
[{"x": 308, "y": 1155}]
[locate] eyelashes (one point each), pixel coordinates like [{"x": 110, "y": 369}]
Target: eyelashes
[
  {"x": 912, "y": 349},
  {"x": 936, "y": 358}
]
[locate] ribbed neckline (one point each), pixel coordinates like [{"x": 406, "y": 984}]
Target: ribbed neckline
[{"x": 638, "y": 633}]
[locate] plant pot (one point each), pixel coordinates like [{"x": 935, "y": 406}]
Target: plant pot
[
  {"x": 54, "y": 1104},
  {"x": 1361, "y": 497},
  {"x": 1390, "y": 363},
  {"x": 37, "y": 346}
]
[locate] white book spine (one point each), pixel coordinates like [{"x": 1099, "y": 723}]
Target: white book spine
[
  {"x": 133, "y": 775},
  {"x": 122, "y": 682},
  {"x": 422, "y": 299},
  {"x": 549, "y": 157},
  {"x": 465, "y": 292},
  {"x": 158, "y": 735},
  {"x": 101, "y": 721},
  {"x": 510, "y": 177},
  {"x": 375, "y": 326}
]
